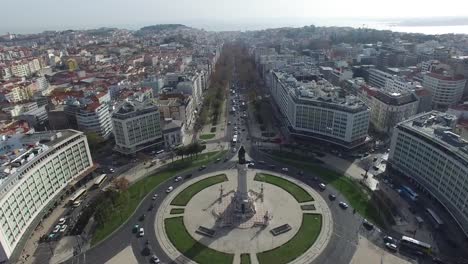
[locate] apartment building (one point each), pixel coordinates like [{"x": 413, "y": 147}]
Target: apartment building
[
  {"x": 36, "y": 169},
  {"x": 425, "y": 149},
  {"x": 137, "y": 126}
]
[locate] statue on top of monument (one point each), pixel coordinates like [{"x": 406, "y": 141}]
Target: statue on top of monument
[{"x": 241, "y": 155}]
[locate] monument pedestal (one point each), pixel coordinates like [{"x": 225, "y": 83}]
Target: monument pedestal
[{"x": 244, "y": 204}]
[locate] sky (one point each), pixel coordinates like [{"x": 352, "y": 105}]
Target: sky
[{"x": 28, "y": 16}]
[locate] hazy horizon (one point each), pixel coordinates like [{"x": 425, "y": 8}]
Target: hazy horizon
[{"x": 27, "y": 16}]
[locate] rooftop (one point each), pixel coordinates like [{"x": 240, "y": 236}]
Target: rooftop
[
  {"x": 437, "y": 127},
  {"x": 19, "y": 150},
  {"x": 321, "y": 93},
  {"x": 134, "y": 108}
]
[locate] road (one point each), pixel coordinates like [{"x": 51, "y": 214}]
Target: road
[{"x": 340, "y": 249}]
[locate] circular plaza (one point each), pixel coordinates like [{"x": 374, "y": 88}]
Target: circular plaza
[{"x": 283, "y": 220}]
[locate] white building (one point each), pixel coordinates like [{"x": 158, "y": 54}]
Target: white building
[
  {"x": 173, "y": 133},
  {"x": 314, "y": 110},
  {"x": 137, "y": 126},
  {"x": 36, "y": 169},
  {"x": 90, "y": 116},
  {"x": 378, "y": 78},
  {"x": 446, "y": 90},
  {"x": 425, "y": 149},
  {"x": 388, "y": 109}
]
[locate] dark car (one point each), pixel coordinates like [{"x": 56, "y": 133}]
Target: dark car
[
  {"x": 188, "y": 176},
  {"x": 272, "y": 166},
  {"x": 142, "y": 217},
  {"x": 225, "y": 159},
  {"x": 367, "y": 224},
  {"x": 332, "y": 197},
  {"x": 202, "y": 168}
]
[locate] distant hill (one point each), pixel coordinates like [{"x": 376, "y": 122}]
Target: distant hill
[{"x": 161, "y": 27}]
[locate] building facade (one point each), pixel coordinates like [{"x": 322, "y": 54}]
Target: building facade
[
  {"x": 314, "y": 110},
  {"x": 446, "y": 90},
  {"x": 137, "y": 126},
  {"x": 425, "y": 149},
  {"x": 388, "y": 109},
  {"x": 36, "y": 169}
]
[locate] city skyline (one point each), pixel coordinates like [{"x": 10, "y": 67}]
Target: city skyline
[{"x": 33, "y": 17}]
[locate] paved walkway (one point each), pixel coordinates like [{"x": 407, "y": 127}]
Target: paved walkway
[
  {"x": 367, "y": 252},
  {"x": 238, "y": 241}
]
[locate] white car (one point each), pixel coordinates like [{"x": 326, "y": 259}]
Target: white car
[
  {"x": 391, "y": 246},
  {"x": 179, "y": 178},
  {"x": 234, "y": 150},
  {"x": 169, "y": 189},
  {"x": 64, "y": 228},
  {"x": 285, "y": 169},
  {"x": 155, "y": 259},
  {"x": 155, "y": 196},
  {"x": 141, "y": 232},
  {"x": 344, "y": 205},
  {"x": 322, "y": 186},
  {"x": 56, "y": 229},
  {"x": 62, "y": 221}
]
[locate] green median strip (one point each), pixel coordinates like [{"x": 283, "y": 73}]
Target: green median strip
[
  {"x": 298, "y": 245},
  {"x": 177, "y": 211},
  {"x": 358, "y": 198},
  {"x": 125, "y": 203},
  {"x": 245, "y": 258},
  {"x": 295, "y": 190},
  {"x": 184, "y": 196},
  {"x": 189, "y": 247}
]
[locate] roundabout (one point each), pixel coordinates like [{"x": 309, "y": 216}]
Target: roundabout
[{"x": 205, "y": 221}]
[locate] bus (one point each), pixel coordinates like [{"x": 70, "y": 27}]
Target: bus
[
  {"x": 438, "y": 223},
  {"x": 75, "y": 198},
  {"x": 408, "y": 192},
  {"x": 100, "y": 180},
  {"x": 411, "y": 243}
]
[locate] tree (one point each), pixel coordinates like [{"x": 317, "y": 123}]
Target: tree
[
  {"x": 94, "y": 139},
  {"x": 121, "y": 184},
  {"x": 366, "y": 164}
]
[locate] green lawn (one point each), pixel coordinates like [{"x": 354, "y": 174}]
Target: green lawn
[
  {"x": 191, "y": 248},
  {"x": 177, "y": 211},
  {"x": 300, "y": 194},
  {"x": 184, "y": 196},
  {"x": 245, "y": 258},
  {"x": 128, "y": 200},
  {"x": 358, "y": 198},
  {"x": 207, "y": 136},
  {"x": 298, "y": 245}
]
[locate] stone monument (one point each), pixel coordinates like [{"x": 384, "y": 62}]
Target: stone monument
[{"x": 244, "y": 204}]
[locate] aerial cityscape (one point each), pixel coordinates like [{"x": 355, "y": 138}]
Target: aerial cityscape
[{"x": 199, "y": 133}]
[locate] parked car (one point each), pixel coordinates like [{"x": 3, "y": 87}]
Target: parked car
[
  {"x": 343, "y": 205},
  {"x": 391, "y": 246},
  {"x": 332, "y": 197},
  {"x": 135, "y": 228},
  {"x": 63, "y": 229},
  {"x": 62, "y": 221},
  {"x": 141, "y": 232},
  {"x": 367, "y": 224},
  {"x": 322, "y": 186},
  {"x": 56, "y": 229},
  {"x": 169, "y": 189},
  {"x": 389, "y": 239}
]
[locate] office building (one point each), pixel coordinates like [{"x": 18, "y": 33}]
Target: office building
[
  {"x": 446, "y": 90},
  {"x": 36, "y": 170},
  {"x": 425, "y": 149},
  {"x": 137, "y": 126},
  {"x": 314, "y": 109}
]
